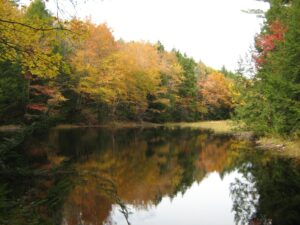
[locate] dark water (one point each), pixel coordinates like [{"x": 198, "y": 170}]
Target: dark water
[{"x": 152, "y": 176}]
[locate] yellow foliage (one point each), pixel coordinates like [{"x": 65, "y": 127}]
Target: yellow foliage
[
  {"x": 27, "y": 42},
  {"x": 114, "y": 72}
]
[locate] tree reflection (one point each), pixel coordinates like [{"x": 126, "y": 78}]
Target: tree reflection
[
  {"x": 144, "y": 167},
  {"x": 268, "y": 193},
  {"x": 245, "y": 197},
  {"x": 80, "y": 176}
]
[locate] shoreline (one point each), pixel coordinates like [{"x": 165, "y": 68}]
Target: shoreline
[
  {"x": 288, "y": 147},
  {"x": 109, "y": 125}
]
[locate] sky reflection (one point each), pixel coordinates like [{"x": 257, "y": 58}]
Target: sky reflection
[{"x": 207, "y": 202}]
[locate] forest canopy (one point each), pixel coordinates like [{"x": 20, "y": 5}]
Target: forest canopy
[{"x": 75, "y": 71}]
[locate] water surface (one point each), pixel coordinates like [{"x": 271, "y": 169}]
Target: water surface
[{"x": 148, "y": 177}]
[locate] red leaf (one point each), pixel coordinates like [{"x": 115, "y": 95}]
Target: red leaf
[{"x": 37, "y": 107}]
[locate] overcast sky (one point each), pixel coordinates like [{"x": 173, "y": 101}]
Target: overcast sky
[{"x": 216, "y": 32}]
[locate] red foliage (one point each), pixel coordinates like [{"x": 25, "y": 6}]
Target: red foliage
[
  {"x": 43, "y": 90},
  {"x": 37, "y": 107},
  {"x": 267, "y": 42}
]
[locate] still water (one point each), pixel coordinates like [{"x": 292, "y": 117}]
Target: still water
[{"x": 154, "y": 176}]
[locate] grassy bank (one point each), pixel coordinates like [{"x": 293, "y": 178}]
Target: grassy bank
[
  {"x": 221, "y": 126},
  {"x": 224, "y": 126}
]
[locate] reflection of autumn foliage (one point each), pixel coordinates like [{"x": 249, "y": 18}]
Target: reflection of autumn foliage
[
  {"x": 137, "y": 177},
  {"x": 87, "y": 203},
  {"x": 142, "y": 171},
  {"x": 130, "y": 167},
  {"x": 213, "y": 156},
  {"x": 140, "y": 179}
]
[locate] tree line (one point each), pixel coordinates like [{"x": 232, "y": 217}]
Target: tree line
[{"x": 76, "y": 71}]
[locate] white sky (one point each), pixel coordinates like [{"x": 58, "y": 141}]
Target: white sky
[{"x": 216, "y": 32}]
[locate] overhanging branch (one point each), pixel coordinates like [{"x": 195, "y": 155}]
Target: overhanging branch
[{"x": 32, "y": 27}]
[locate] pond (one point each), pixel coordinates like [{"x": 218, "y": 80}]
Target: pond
[{"x": 153, "y": 176}]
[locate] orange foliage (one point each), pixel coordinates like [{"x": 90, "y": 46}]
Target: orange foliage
[
  {"x": 213, "y": 156},
  {"x": 98, "y": 44},
  {"x": 217, "y": 91},
  {"x": 89, "y": 202}
]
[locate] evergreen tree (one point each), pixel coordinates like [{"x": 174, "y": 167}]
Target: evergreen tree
[{"x": 272, "y": 103}]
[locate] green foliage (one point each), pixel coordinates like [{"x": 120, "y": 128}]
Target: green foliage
[
  {"x": 271, "y": 101},
  {"x": 188, "y": 108},
  {"x": 189, "y": 85},
  {"x": 12, "y": 92},
  {"x": 268, "y": 191},
  {"x": 37, "y": 11}
]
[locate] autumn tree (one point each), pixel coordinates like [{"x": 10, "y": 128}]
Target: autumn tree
[
  {"x": 163, "y": 102},
  {"x": 89, "y": 63},
  {"x": 139, "y": 66},
  {"x": 217, "y": 93}
]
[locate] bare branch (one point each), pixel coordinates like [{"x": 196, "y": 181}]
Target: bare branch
[{"x": 33, "y": 28}]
